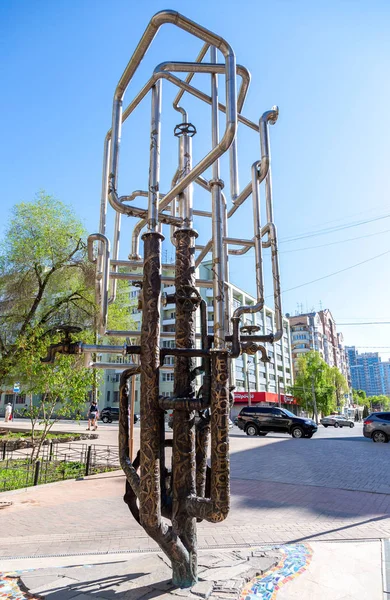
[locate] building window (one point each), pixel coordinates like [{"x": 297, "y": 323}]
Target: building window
[
  {"x": 168, "y": 377},
  {"x": 168, "y": 343},
  {"x": 108, "y": 396},
  {"x": 20, "y": 399},
  {"x": 116, "y": 397},
  {"x": 239, "y": 382}
]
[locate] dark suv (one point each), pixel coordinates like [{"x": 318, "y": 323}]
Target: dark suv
[
  {"x": 260, "y": 420},
  {"x": 110, "y": 414}
]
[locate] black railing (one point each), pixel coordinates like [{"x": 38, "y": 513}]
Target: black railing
[{"x": 55, "y": 463}]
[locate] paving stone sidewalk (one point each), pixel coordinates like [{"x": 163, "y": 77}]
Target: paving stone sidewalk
[
  {"x": 55, "y": 519},
  {"x": 337, "y": 570}
]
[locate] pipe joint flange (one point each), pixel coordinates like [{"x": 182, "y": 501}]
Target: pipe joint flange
[
  {"x": 249, "y": 348},
  {"x": 218, "y": 182},
  {"x": 184, "y": 129},
  {"x": 168, "y": 299},
  {"x": 189, "y": 297},
  {"x": 250, "y": 329}
]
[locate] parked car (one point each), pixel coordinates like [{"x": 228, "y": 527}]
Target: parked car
[
  {"x": 260, "y": 420},
  {"x": 111, "y": 413},
  {"x": 337, "y": 421},
  {"x": 197, "y": 418},
  {"x": 377, "y": 427}
]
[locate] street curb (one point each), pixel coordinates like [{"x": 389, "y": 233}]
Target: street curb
[{"x": 385, "y": 551}]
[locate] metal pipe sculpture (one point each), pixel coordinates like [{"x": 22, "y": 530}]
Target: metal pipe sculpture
[{"x": 189, "y": 489}]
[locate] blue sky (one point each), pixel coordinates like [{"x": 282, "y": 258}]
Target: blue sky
[{"x": 326, "y": 64}]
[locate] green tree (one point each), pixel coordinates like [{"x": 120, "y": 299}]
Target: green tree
[
  {"x": 314, "y": 374},
  {"x": 380, "y": 402},
  {"x": 360, "y": 398},
  {"x": 45, "y": 276},
  {"x": 340, "y": 385},
  {"x": 62, "y": 387}
]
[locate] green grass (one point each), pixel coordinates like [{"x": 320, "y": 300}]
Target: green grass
[
  {"x": 15, "y": 435},
  {"x": 19, "y": 473}
]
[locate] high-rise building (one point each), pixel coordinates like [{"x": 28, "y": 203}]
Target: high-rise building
[
  {"x": 385, "y": 376},
  {"x": 368, "y": 373}
]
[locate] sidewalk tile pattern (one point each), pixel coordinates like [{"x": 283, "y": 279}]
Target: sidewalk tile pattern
[{"x": 296, "y": 558}]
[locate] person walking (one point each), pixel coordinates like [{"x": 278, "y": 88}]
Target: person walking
[
  {"x": 8, "y": 412},
  {"x": 93, "y": 415}
]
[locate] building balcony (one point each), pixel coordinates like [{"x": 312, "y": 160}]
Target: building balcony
[
  {"x": 169, "y": 290},
  {"x": 169, "y": 321},
  {"x": 170, "y": 307}
]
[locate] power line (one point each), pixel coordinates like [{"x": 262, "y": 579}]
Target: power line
[
  {"x": 331, "y": 229},
  {"x": 335, "y": 273},
  {"x": 367, "y": 323},
  {"x": 359, "y": 237},
  {"x": 361, "y": 212}
]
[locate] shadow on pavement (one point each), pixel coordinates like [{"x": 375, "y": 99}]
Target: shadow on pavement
[
  {"x": 109, "y": 587},
  {"x": 338, "y": 529}
]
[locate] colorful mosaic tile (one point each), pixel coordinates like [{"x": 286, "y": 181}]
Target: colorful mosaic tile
[
  {"x": 296, "y": 558},
  {"x": 12, "y": 588}
]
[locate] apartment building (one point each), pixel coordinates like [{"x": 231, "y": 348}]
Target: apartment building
[
  {"x": 317, "y": 331},
  {"x": 268, "y": 381},
  {"x": 368, "y": 372}
]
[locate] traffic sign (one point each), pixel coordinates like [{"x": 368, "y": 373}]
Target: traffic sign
[{"x": 16, "y": 388}]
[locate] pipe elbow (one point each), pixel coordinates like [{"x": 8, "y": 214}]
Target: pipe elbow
[
  {"x": 164, "y": 16},
  {"x": 278, "y": 335},
  {"x": 262, "y": 168},
  {"x": 270, "y": 116},
  {"x": 229, "y": 135},
  {"x": 115, "y": 202}
]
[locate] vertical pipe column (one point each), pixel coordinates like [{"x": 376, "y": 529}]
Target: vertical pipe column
[
  {"x": 152, "y": 446},
  {"x": 220, "y": 462},
  {"x": 154, "y": 167},
  {"x": 257, "y": 234},
  {"x": 103, "y": 198},
  {"x": 217, "y": 221},
  {"x": 183, "y": 458},
  {"x": 150, "y": 501},
  {"x": 185, "y": 165}
]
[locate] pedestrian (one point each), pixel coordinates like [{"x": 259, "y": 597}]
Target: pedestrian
[
  {"x": 8, "y": 412},
  {"x": 93, "y": 415}
]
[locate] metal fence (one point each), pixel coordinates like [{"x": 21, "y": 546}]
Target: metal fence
[{"x": 56, "y": 462}]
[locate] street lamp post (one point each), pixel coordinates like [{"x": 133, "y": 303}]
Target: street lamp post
[
  {"x": 279, "y": 396},
  {"x": 314, "y": 400}
]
